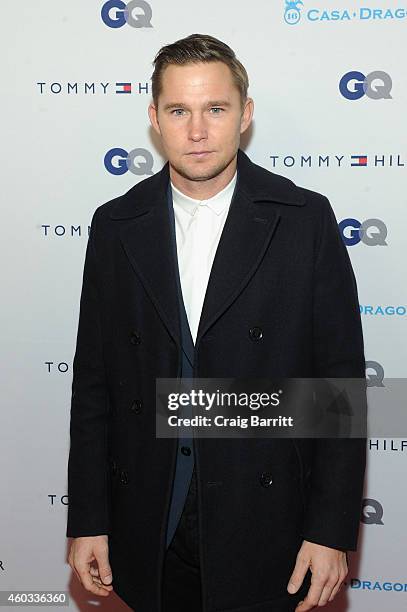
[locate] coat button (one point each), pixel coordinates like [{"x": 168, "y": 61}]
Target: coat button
[
  {"x": 185, "y": 450},
  {"x": 113, "y": 466},
  {"x": 266, "y": 479},
  {"x": 256, "y": 333},
  {"x": 124, "y": 479},
  {"x": 135, "y": 337},
  {"x": 136, "y": 406}
]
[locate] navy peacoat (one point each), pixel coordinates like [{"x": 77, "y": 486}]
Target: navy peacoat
[{"x": 281, "y": 266}]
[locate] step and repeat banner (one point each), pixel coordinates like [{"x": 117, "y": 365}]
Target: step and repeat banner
[{"x": 330, "y": 95}]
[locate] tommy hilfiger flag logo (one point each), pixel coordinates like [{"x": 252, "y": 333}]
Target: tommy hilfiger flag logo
[
  {"x": 123, "y": 88},
  {"x": 358, "y": 160}
]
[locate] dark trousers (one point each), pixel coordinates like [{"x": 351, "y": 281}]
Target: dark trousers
[{"x": 182, "y": 577}]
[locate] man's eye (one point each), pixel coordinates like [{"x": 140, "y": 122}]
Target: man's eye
[
  {"x": 217, "y": 110},
  {"x": 178, "y": 111}
]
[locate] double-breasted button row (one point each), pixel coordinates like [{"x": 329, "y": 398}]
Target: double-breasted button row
[
  {"x": 136, "y": 406},
  {"x": 256, "y": 333},
  {"x": 266, "y": 479},
  {"x": 135, "y": 337}
]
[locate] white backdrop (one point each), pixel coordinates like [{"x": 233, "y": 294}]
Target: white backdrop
[{"x": 63, "y": 114}]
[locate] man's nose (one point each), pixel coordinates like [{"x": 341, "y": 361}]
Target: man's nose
[{"x": 197, "y": 128}]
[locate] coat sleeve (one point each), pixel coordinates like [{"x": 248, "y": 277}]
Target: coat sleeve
[
  {"x": 88, "y": 461},
  {"x": 337, "y": 474}
]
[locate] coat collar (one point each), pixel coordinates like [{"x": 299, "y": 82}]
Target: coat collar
[
  {"x": 257, "y": 183},
  {"x": 146, "y": 237}
]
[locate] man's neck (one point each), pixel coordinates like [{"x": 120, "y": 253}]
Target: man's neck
[{"x": 203, "y": 190}]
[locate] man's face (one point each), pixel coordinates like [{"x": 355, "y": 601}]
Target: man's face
[{"x": 200, "y": 119}]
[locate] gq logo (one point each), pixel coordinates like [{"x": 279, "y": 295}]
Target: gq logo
[
  {"x": 376, "y": 379},
  {"x": 118, "y": 161},
  {"x": 359, "y": 232},
  {"x": 292, "y": 13},
  {"x": 372, "y": 512},
  {"x": 376, "y": 85},
  {"x": 124, "y": 13}
]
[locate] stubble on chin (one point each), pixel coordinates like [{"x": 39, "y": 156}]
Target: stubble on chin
[{"x": 200, "y": 174}]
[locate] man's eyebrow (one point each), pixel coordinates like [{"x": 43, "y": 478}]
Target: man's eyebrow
[
  {"x": 172, "y": 105},
  {"x": 219, "y": 103}
]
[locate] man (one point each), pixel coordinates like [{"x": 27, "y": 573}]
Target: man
[{"x": 213, "y": 267}]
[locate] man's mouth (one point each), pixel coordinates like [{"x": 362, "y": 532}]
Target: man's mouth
[{"x": 199, "y": 153}]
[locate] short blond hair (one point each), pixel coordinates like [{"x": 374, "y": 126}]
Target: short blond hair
[{"x": 194, "y": 49}]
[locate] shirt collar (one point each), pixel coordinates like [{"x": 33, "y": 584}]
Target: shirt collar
[{"x": 216, "y": 203}]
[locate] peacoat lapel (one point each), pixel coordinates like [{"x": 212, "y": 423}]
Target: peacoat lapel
[{"x": 145, "y": 234}]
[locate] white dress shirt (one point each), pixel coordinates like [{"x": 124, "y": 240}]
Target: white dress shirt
[{"x": 198, "y": 227}]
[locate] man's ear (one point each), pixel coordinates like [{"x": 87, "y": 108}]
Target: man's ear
[
  {"x": 153, "y": 115},
  {"x": 247, "y": 115}
]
